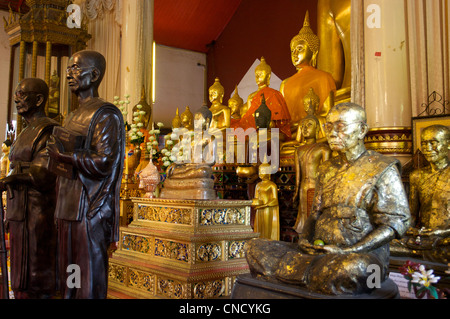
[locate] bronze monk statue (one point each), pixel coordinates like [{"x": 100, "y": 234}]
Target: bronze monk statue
[
  {"x": 429, "y": 200},
  {"x": 87, "y": 208},
  {"x": 359, "y": 206},
  {"x": 31, "y": 197}
]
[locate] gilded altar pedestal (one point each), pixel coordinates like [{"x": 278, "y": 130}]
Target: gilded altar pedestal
[{"x": 181, "y": 249}]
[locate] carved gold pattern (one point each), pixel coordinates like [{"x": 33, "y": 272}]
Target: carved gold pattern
[{"x": 209, "y": 289}]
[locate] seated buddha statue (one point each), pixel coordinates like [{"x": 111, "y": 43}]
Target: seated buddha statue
[
  {"x": 429, "y": 201},
  {"x": 221, "y": 114},
  {"x": 6, "y": 146},
  {"x": 235, "y": 104},
  {"x": 281, "y": 118},
  {"x": 311, "y": 102},
  {"x": 193, "y": 179},
  {"x": 304, "y": 51}
]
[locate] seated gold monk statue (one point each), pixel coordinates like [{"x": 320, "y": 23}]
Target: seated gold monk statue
[
  {"x": 235, "y": 104},
  {"x": 311, "y": 102},
  {"x": 187, "y": 119},
  {"x": 307, "y": 159},
  {"x": 304, "y": 50},
  {"x": 429, "y": 201},
  {"x": 221, "y": 114},
  {"x": 265, "y": 202},
  {"x": 333, "y": 29},
  {"x": 193, "y": 179},
  {"x": 281, "y": 118},
  {"x": 359, "y": 206}
]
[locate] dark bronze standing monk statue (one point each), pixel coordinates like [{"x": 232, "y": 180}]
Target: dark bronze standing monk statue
[
  {"x": 31, "y": 197},
  {"x": 359, "y": 206},
  {"x": 87, "y": 208}
]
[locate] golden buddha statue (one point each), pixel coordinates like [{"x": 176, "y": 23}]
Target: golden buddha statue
[
  {"x": 187, "y": 119},
  {"x": 267, "y": 217},
  {"x": 193, "y": 179},
  {"x": 429, "y": 201},
  {"x": 176, "y": 122},
  {"x": 311, "y": 102},
  {"x": 281, "y": 118},
  {"x": 333, "y": 29},
  {"x": 307, "y": 159},
  {"x": 6, "y": 146},
  {"x": 235, "y": 103},
  {"x": 304, "y": 51},
  {"x": 221, "y": 114},
  {"x": 53, "y": 94},
  {"x": 359, "y": 206}
]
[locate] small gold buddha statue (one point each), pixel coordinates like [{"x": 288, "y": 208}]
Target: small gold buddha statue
[
  {"x": 187, "y": 119},
  {"x": 6, "y": 146},
  {"x": 176, "y": 122},
  {"x": 265, "y": 202},
  {"x": 53, "y": 94},
  {"x": 429, "y": 201},
  {"x": 304, "y": 51},
  {"x": 307, "y": 159},
  {"x": 274, "y": 100},
  {"x": 221, "y": 114},
  {"x": 235, "y": 103},
  {"x": 311, "y": 102}
]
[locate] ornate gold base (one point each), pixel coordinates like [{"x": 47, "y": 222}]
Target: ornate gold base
[
  {"x": 391, "y": 141},
  {"x": 181, "y": 249}
]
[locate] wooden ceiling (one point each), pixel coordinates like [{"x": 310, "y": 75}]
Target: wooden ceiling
[{"x": 185, "y": 24}]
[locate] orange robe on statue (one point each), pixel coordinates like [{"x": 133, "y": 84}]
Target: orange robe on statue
[
  {"x": 298, "y": 85},
  {"x": 276, "y": 103}
]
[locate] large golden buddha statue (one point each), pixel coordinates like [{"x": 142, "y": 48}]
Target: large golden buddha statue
[
  {"x": 429, "y": 201},
  {"x": 304, "y": 51},
  {"x": 221, "y": 114},
  {"x": 274, "y": 100},
  {"x": 333, "y": 29}
]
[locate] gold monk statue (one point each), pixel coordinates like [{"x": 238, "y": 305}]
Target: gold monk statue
[
  {"x": 359, "y": 206},
  {"x": 307, "y": 159},
  {"x": 311, "y": 102},
  {"x": 267, "y": 217},
  {"x": 333, "y": 29},
  {"x": 429, "y": 201},
  {"x": 304, "y": 51},
  {"x": 193, "y": 179},
  {"x": 221, "y": 114},
  {"x": 235, "y": 103},
  {"x": 281, "y": 118}
]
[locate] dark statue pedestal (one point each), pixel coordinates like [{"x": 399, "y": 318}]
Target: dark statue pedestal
[{"x": 248, "y": 287}]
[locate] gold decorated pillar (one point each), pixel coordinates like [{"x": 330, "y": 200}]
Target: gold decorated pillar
[{"x": 387, "y": 93}]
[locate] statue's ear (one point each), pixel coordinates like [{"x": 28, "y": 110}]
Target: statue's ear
[
  {"x": 39, "y": 99},
  {"x": 95, "y": 75},
  {"x": 313, "y": 61}
]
